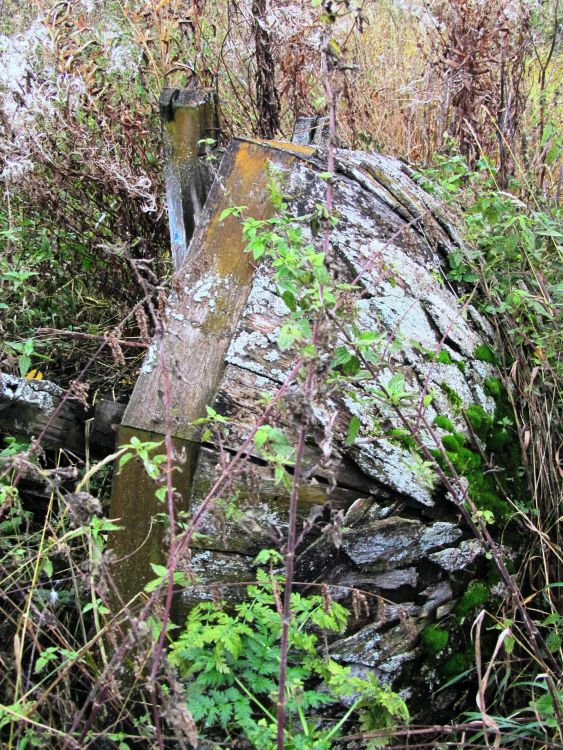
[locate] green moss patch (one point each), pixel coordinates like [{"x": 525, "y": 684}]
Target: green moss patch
[
  {"x": 453, "y": 397},
  {"x": 444, "y": 358},
  {"x": 457, "y": 664},
  {"x": 494, "y": 388},
  {"x": 485, "y": 354},
  {"x": 475, "y": 596},
  {"x": 434, "y": 639},
  {"x": 444, "y": 423},
  {"x": 480, "y": 420}
]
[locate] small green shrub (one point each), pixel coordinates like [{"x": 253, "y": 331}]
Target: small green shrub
[{"x": 230, "y": 663}]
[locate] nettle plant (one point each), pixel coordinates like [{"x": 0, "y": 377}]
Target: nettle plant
[{"x": 513, "y": 250}]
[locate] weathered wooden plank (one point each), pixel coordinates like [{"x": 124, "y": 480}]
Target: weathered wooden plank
[
  {"x": 311, "y": 131},
  {"x": 189, "y": 119},
  {"x": 141, "y": 515},
  {"x": 27, "y": 408},
  {"x": 202, "y": 314},
  {"x": 255, "y": 514},
  {"x": 237, "y": 397},
  {"x": 211, "y": 293}
]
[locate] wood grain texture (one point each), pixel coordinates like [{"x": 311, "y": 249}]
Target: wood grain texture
[{"x": 210, "y": 295}]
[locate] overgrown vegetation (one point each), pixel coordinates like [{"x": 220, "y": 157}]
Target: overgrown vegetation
[{"x": 467, "y": 90}]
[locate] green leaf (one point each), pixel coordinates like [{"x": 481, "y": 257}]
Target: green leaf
[
  {"x": 161, "y": 494},
  {"x": 231, "y": 211},
  {"x": 353, "y": 430},
  {"x": 553, "y": 642},
  {"x": 47, "y": 567},
  {"x": 262, "y": 434}
]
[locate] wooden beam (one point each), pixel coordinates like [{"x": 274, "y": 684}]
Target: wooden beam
[
  {"x": 201, "y": 317},
  {"x": 190, "y": 130},
  {"x": 29, "y": 408}
]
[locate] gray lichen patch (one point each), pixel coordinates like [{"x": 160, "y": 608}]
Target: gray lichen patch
[
  {"x": 419, "y": 279},
  {"x": 372, "y": 648},
  {"x": 242, "y": 350},
  {"x": 435, "y": 374},
  {"x": 18, "y": 389},
  {"x": 263, "y": 298},
  {"x": 447, "y": 314},
  {"x": 458, "y": 558},
  {"x": 150, "y": 359},
  {"x": 403, "y": 316},
  {"x": 393, "y": 466},
  {"x": 481, "y": 322},
  {"x": 395, "y": 541}
]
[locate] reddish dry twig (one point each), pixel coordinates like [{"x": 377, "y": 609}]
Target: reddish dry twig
[{"x": 89, "y": 336}]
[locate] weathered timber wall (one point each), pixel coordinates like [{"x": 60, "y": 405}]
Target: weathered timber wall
[
  {"x": 400, "y": 539},
  {"x": 31, "y": 408}
]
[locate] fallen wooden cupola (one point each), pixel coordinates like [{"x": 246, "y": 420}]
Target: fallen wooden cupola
[{"x": 400, "y": 539}]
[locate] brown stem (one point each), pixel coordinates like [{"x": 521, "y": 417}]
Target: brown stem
[
  {"x": 289, "y": 565},
  {"x": 89, "y": 336}
]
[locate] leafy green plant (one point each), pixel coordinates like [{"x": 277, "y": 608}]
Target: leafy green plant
[
  {"x": 25, "y": 351},
  {"x": 230, "y": 662},
  {"x": 513, "y": 249}
]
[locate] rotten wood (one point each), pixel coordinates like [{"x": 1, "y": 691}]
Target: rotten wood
[
  {"x": 190, "y": 131},
  {"x": 377, "y": 524},
  {"x": 29, "y": 408}
]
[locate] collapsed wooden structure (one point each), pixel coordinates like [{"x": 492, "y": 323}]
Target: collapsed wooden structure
[{"x": 400, "y": 539}]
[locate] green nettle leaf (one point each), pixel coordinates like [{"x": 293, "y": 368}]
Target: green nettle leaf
[
  {"x": 353, "y": 430},
  {"x": 341, "y": 356},
  {"x": 232, "y": 211},
  {"x": 266, "y": 556},
  {"x": 261, "y": 435},
  {"x": 161, "y": 493},
  {"x": 289, "y": 299},
  {"x": 279, "y": 475},
  {"x": 553, "y": 641},
  {"x": 47, "y": 567},
  {"x": 288, "y": 335}
]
